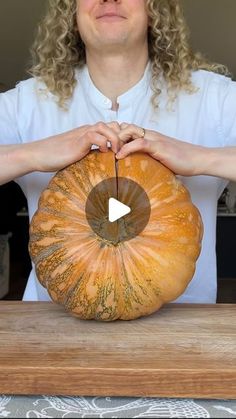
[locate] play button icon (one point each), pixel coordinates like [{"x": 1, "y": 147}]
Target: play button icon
[{"x": 117, "y": 210}]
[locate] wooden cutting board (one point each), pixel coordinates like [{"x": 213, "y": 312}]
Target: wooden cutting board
[{"x": 180, "y": 351}]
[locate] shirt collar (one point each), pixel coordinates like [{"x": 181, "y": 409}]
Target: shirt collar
[{"x": 126, "y": 99}]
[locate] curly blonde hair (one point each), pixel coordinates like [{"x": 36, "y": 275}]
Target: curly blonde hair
[{"x": 58, "y": 49}]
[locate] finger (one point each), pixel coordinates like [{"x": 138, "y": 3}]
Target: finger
[
  {"x": 124, "y": 136},
  {"x": 124, "y": 125},
  {"x": 131, "y": 132},
  {"x": 92, "y": 138},
  {"x": 115, "y": 126},
  {"x": 109, "y": 133},
  {"x": 137, "y": 145}
]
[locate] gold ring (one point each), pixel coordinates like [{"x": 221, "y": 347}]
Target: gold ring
[{"x": 143, "y": 133}]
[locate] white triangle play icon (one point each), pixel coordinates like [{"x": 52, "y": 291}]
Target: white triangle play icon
[{"x": 116, "y": 210}]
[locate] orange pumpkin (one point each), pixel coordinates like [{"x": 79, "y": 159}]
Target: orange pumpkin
[{"x": 101, "y": 279}]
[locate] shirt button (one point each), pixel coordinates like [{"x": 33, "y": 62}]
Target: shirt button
[{"x": 106, "y": 101}]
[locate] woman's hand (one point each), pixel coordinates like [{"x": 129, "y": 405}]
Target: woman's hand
[
  {"x": 179, "y": 156},
  {"x": 57, "y": 152}
]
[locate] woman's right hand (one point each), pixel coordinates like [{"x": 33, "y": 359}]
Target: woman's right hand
[{"x": 56, "y": 152}]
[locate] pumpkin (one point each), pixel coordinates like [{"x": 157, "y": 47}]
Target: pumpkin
[{"x": 95, "y": 278}]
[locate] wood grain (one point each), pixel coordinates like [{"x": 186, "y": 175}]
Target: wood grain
[{"x": 183, "y": 350}]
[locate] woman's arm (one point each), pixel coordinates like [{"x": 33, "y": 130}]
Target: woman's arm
[
  {"x": 56, "y": 152},
  {"x": 181, "y": 157},
  {"x": 222, "y": 162},
  {"x": 15, "y": 161}
]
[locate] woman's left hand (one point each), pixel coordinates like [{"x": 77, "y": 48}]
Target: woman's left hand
[{"x": 179, "y": 156}]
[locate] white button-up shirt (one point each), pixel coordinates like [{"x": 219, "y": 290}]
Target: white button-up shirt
[{"x": 207, "y": 117}]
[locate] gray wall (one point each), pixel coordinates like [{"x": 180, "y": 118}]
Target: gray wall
[
  {"x": 18, "y": 20},
  {"x": 212, "y": 24}
]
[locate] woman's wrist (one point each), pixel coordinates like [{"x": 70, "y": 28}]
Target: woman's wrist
[
  {"x": 221, "y": 162},
  {"x": 208, "y": 160},
  {"x": 23, "y": 157},
  {"x": 16, "y": 160}
]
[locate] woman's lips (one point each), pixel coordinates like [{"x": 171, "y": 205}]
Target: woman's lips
[{"x": 110, "y": 17}]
